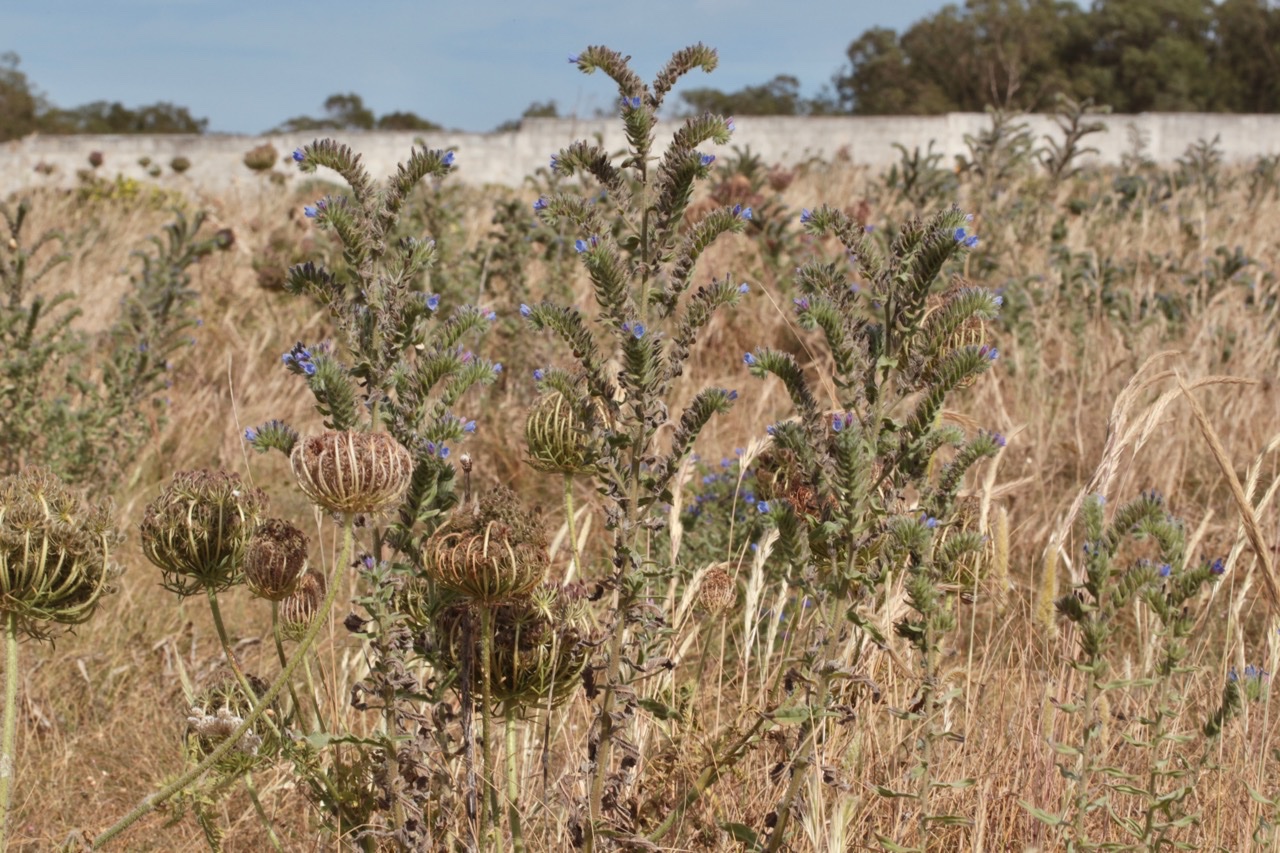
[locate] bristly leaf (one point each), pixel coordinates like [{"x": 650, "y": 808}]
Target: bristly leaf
[
  {"x": 609, "y": 277},
  {"x": 710, "y": 401},
  {"x": 335, "y": 396},
  {"x": 705, "y": 301},
  {"x": 422, "y": 163},
  {"x": 273, "y": 435},
  {"x": 783, "y": 366},
  {"x": 703, "y": 234},
  {"x": 341, "y": 159},
  {"x": 952, "y": 371},
  {"x": 591, "y": 158},
  {"x": 615, "y": 65},
  {"x": 567, "y": 323}
]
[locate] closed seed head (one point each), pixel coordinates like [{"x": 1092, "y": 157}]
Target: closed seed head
[
  {"x": 352, "y": 472},
  {"x": 298, "y": 610},
  {"x": 197, "y": 529},
  {"x": 496, "y": 553},
  {"x": 275, "y": 559},
  {"x": 717, "y": 590},
  {"x": 559, "y": 434}
]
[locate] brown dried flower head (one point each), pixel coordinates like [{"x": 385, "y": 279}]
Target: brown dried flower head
[
  {"x": 298, "y": 610},
  {"x": 352, "y": 472},
  {"x": 196, "y": 530},
  {"x": 275, "y": 559},
  {"x": 559, "y": 433},
  {"x": 717, "y": 589},
  {"x": 491, "y": 554}
]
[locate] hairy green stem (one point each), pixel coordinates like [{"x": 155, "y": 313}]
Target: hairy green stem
[
  {"x": 489, "y": 801},
  {"x": 280, "y": 655},
  {"x": 262, "y": 813},
  {"x": 799, "y": 768},
  {"x": 575, "y": 568},
  {"x": 8, "y": 761},
  {"x": 152, "y": 800},
  {"x": 513, "y": 781}
]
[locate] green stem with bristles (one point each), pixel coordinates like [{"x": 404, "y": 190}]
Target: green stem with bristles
[
  {"x": 576, "y": 565},
  {"x": 262, "y": 813},
  {"x": 151, "y": 801},
  {"x": 513, "y": 781},
  {"x": 489, "y": 800},
  {"x": 8, "y": 761},
  {"x": 280, "y": 655}
]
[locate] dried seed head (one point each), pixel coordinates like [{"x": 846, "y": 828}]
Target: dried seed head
[
  {"x": 54, "y": 552},
  {"x": 275, "y": 559},
  {"x": 496, "y": 553},
  {"x": 298, "y": 610},
  {"x": 217, "y": 711},
  {"x": 717, "y": 590},
  {"x": 197, "y": 529},
  {"x": 559, "y": 433},
  {"x": 352, "y": 472}
]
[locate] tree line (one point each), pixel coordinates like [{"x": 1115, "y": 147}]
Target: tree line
[{"x": 1133, "y": 55}]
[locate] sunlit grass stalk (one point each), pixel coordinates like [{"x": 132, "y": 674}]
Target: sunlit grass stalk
[
  {"x": 513, "y": 780},
  {"x": 262, "y": 813},
  {"x": 152, "y": 800}
]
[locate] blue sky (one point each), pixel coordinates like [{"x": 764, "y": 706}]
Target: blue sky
[{"x": 470, "y": 65}]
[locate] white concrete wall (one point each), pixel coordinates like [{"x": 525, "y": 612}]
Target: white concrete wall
[{"x": 507, "y": 158}]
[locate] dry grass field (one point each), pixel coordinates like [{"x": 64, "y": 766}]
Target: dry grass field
[{"x": 1117, "y": 325}]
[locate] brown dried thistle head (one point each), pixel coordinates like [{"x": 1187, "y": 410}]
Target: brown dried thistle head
[
  {"x": 298, "y": 610},
  {"x": 275, "y": 559},
  {"x": 352, "y": 472},
  {"x": 717, "y": 589},
  {"x": 491, "y": 554}
]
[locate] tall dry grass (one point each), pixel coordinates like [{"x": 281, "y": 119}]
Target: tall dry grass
[{"x": 1089, "y": 403}]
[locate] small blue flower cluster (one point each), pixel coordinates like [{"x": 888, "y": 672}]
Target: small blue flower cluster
[
  {"x": 636, "y": 329},
  {"x": 311, "y": 211},
  {"x": 742, "y": 212},
  {"x": 965, "y": 239},
  {"x": 581, "y": 246},
  {"x": 298, "y": 360}
]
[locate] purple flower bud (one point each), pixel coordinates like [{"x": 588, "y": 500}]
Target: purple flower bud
[
  {"x": 469, "y": 426},
  {"x": 497, "y": 368},
  {"x": 492, "y": 316},
  {"x": 771, "y": 429},
  {"x": 541, "y": 203},
  {"x": 298, "y": 156},
  {"x": 447, "y": 159},
  {"x": 805, "y": 215},
  {"x": 310, "y": 211},
  {"x": 1218, "y": 567},
  {"x": 707, "y": 159},
  {"x": 1165, "y": 570},
  {"x": 732, "y": 395},
  {"x": 744, "y": 287},
  {"x": 801, "y": 302},
  {"x": 555, "y": 162},
  {"x": 729, "y": 124},
  {"x": 539, "y": 374},
  {"x": 367, "y": 561},
  {"x": 251, "y": 434},
  {"x": 573, "y": 59},
  {"x": 525, "y": 310},
  {"x": 748, "y": 359}
]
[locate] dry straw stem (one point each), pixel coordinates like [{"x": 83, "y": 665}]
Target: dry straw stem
[{"x": 1242, "y": 502}]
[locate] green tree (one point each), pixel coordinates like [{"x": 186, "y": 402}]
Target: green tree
[
  {"x": 778, "y": 97},
  {"x": 115, "y": 117},
  {"x": 1154, "y": 53},
  {"x": 537, "y": 109},
  {"x": 1246, "y": 57},
  {"x": 19, "y": 105}
]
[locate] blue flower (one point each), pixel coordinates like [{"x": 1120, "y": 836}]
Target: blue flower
[
  {"x": 762, "y": 507},
  {"x": 729, "y": 124},
  {"x": 929, "y": 521},
  {"x": 497, "y": 368},
  {"x": 1000, "y": 440},
  {"x": 998, "y": 299},
  {"x": 492, "y": 316},
  {"x": 310, "y": 212},
  {"x": 742, "y": 212},
  {"x": 633, "y": 102},
  {"x": 707, "y": 159},
  {"x": 801, "y": 302},
  {"x": 969, "y": 241},
  {"x": 1218, "y": 567},
  {"x": 990, "y": 352},
  {"x": 469, "y": 426},
  {"x": 748, "y": 359},
  {"x": 251, "y": 434},
  {"x": 744, "y": 287},
  {"x": 732, "y": 395},
  {"x": 447, "y": 159},
  {"x": 771, "y": 429},
  {"x": 1165, "y": 570},
  {"x": 555, "y": 162},
  {"x": 541, "y": 203},
  {"x": 433, "y": 301},
  {"x": 444, "y": 452},
  {"x": 298, "y": 156},
  {"x": 638, "y": 330},
  {"x": 525, "y": 310},
  {"x": 367, "y": 561},
  {"x": 580, "y": 246},
  {"x": 573, "y": 59},
  {"x": 806, "y": 215},
  {"x": 837, "y": 423},
  {"x": 539, "y": 374}
]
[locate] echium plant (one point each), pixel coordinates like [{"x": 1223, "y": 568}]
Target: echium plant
[
  {"x": 1115, "y": 577},
  {"x": 387, "y": 391},
  {"x": 836, "y": 483},
  {"x": 641, "y": 262}
]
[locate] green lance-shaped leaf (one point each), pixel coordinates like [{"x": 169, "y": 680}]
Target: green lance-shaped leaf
[
  {"x": 983, "y": 445},
  {"x": 698, "y": 129},
  {"x": 704, "y": 303},
  {"x": 334, "y": 393},
  {"x": 940, "y": 328},
  {"x": 341, "y": 159},
  {"x": 709, "y": 402},
  {"x": 567, "y": 323},
  {"x": 783, "y": 366},
  {"x": 414, "y": 384},
  {"x": 477, "y": 371},
  {"x": 422, "y": 163},
  {"x": 681, "y": 63},
  {"x": 643, "y": 363},
  {"x": 412, "y": 257},
  {"x": 615, "y": 65},
  {"x": 866, "y": 255},
  {"x": 447, "y": 334},
  {"x": 703, "y": 234},
  {"x": 583, "y": 156},
  {"x": 952, "y": 371}
]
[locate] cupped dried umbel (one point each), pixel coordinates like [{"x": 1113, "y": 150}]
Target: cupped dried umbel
[
  {"x": 197, "y": 529},
  {"x": 275, "y": 559},
  {"x": 352, "y": 472},
  {"x": 490, "y": 554}
]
